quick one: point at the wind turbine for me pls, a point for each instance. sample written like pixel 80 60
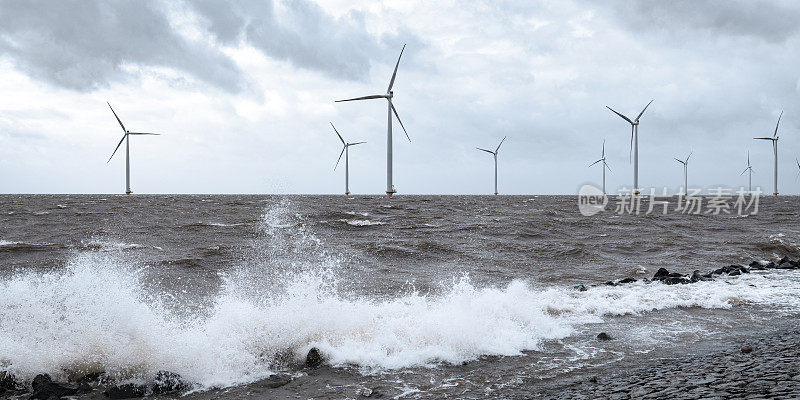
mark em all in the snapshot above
pixel 388 96
pixel 494 153
pixel 605 165
pixel 798 167
pixel 346 152
pixel 125 137
pixel 634 145
pixel 749 168
pixel 685 172
pixel 774 140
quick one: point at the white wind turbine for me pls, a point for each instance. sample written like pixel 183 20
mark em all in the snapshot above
pixel 126 138
pixel 798 167
pixel 494 153
pixel 634 144
pixel 749 168
pixel 605 165
pixel 388 96
pixel 774 140
pixel 685 172
pixel 346 152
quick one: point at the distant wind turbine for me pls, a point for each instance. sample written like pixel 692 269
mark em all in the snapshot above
pixel 634 144
pixel 346 152
pixel 798 167
pixel 605 165
pixel 749 168
pixel 494 153
pixel 774 140
pixel 685 172
pixel 126 138
pixel 388 96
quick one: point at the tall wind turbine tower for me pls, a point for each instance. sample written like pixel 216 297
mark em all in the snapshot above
pixel 749 168
pixel 774 140
pixel 494 153
pixel 346 152
pixel 685 172
pixel 634 145
pixel 125 137
pixel 605 165
pixel 388 96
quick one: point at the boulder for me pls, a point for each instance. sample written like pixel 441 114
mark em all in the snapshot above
pixel 610 283
pixel 674 280
pixel 603 336
pixel 784 260
pixel 126 391
pixel 627 280
pixel 770 265
pixel 277 380
pixel 44 388
pixel 314 358
pixel 697 277
pixel 8 383
pixel 661 273
pixel 169 382
pixel 746 349
pixel 581 288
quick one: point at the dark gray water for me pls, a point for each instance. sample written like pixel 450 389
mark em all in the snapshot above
pixel 422 296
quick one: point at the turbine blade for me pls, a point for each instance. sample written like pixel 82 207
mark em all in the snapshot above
pixel 501 143
pixel 776 125
pixel 745 170
pixel 115 116
pixel 143 133
pixel 623 117
pixel 394 74
pixel 337 134
pixel 603 154
pixel 680 161
pixel 401 122
pixel 764 138
pixel 353 144
pixel 798 162
pixel 606 164
pixel 630 152
pixel 645 108
pixel 340 158
pixel 595 162
pixel 117 148
pixel 748 158
pixel 488 151
pixel 690 155
pixel 374 96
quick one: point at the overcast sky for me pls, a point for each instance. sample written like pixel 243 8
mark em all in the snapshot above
pixel 243 92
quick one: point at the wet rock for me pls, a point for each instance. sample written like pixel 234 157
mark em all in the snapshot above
pixel 784 260
pixel 126 391
pixel 44 388
pixel 610 283
pixel 168 382
pixel 581 288
pixel 627 280
pixel 91 377
pixel 732 270
pixel 697 277
pixel 370 393
pixel 756 266
pixel 674 280
pixel 661 273
pixel 8 383
pixel 314 358
pixel 770 265
pixel 603 336
pixel 734 273
pixel 277 380
pixel 746 349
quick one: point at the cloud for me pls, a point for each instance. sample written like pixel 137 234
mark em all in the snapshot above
pixel 84 45
pixel 297 31
pixel 768 21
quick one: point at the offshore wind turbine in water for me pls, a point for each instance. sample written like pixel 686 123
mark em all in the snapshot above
pixel 494 153
pixel 685 172
pixel 605 165
pixel 774 140
pixel 388 96
pixel 346 152
pixel 749 168
pixel 126 138
pixel 634 145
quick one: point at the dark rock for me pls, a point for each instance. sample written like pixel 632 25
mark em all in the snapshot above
pixel 91 377
pixel 755 264
pixel 168 382
pixel 44 388
pixel 610 283
pixel 277 380
pixel 314 358
pixel 734 273
pixel 8 382
pixel 674 280
pixel 661 273
pixel 581 288
pixel 126 391
pixel 784 260
pixel 628 280
pixel 746 349
pixel 787 265
pixel 770 265
pixel 603 336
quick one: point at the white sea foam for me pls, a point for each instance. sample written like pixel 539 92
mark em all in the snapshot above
pixel 362 222
pixel 109 245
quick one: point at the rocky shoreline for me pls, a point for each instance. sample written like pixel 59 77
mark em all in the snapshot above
pixel 767 367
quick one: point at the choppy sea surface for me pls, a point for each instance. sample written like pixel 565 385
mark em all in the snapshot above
pixel 424 296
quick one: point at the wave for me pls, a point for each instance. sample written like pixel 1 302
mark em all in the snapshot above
pixel 109 245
